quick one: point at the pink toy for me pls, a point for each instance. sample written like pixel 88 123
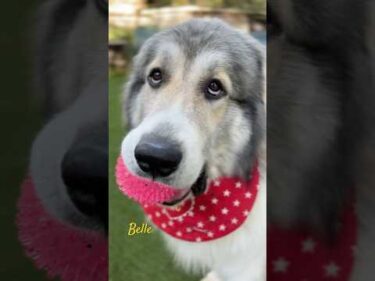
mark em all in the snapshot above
pixel 142 190
pixel 70 253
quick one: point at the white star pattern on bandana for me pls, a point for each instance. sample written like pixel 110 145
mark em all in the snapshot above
pixel 226 193
pixel 331 270
pixel 303 255
pixel 224 211
pixel 308 245
pixel 248 194
pixel 280 265
pixel 200 224
pixel 222 227
pixel 217 212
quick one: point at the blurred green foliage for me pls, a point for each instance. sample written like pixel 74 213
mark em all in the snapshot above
pixel 120 33
pixel 252 6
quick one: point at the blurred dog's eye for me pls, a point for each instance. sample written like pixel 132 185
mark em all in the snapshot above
pixel 214 90
pixel 155 78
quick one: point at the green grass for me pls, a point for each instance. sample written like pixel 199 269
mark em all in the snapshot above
pixel 132 258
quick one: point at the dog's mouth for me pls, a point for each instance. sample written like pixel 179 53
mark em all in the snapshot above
pixel 196 189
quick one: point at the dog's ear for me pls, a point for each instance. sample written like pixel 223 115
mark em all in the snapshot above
pixel 259 105
pixel 136 80
pixel 262 67
pixel 129 97
pixel 302 20
pixel 258 65
pixel 255 107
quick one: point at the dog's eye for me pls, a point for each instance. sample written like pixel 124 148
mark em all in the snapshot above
pixel 214 90
pixel 155 78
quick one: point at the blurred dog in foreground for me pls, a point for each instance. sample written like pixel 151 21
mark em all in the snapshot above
pixel 69 160
pixel 64 204
pixel 321 118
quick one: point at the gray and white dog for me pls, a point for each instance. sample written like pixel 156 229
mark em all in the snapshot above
pixel 195 102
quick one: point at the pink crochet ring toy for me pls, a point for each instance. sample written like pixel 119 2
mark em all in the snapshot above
pixel 66 252
pixel 143 190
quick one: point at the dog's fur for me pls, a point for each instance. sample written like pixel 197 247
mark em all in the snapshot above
pixel 321 134
pixel 225 136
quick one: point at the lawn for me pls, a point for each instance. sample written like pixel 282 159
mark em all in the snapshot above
pixel 132 258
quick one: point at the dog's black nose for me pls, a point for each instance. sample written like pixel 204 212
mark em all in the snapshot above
pixel 84 171
pixel 158 156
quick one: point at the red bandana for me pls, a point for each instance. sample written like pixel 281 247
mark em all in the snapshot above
pixel 218 212
pixel 299 255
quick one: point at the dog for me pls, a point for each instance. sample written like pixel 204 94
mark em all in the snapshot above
pixel 320 122
pixel 63 203
pixel 69 156
pixel 195 108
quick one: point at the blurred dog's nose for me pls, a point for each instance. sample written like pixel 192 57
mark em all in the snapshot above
pixel 158 156
pixel 85 173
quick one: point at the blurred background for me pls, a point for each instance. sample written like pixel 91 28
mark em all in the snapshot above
pixel 21 118
pixel 131 22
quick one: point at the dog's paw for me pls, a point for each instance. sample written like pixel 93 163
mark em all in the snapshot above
pixel 211 277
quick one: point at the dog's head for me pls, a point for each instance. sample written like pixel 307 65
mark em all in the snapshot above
pixel 194 105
